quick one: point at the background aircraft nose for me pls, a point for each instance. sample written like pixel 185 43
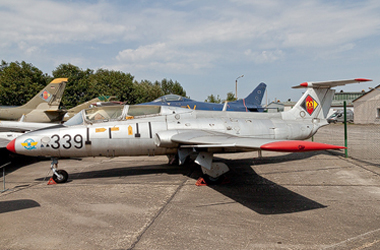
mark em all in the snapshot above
pixel 11 146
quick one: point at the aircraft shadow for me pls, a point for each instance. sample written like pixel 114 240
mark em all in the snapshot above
pixel 132 171
pixel 292 157
pixel 19 161
pixel 260 194
pixel 245 186
pixel 14 205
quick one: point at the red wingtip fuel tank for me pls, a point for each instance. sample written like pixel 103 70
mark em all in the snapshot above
pixel 298 146
pixel 11 146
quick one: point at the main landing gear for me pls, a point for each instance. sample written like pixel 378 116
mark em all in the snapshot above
pixel 213 172
pixel 59 176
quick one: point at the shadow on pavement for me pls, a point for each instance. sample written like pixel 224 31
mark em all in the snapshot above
pixel 14 205
pixel 260 194
pixel 245 187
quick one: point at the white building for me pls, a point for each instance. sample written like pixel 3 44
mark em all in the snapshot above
pixel 367 107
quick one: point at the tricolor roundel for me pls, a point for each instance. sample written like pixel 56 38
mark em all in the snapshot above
pixel 45 95
pixel 309 104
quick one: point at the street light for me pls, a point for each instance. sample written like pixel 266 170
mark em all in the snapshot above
pixel 236 86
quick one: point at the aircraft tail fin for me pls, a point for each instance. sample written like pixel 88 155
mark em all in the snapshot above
pixel 50 96
pixel 315 103
pixel 253 101
pixel 71 112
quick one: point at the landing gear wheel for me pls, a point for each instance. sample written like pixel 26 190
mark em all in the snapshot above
pixel 213 181
pixel 63 176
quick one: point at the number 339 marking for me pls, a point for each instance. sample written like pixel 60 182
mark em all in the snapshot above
pixel 67 144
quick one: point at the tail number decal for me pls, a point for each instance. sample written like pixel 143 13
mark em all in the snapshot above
pixel 77 141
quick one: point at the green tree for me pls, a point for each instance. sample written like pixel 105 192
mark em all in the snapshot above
pixel 230 97
pixel 78 88
pixel 19 82
pixel 170 87
pixel 211 98
pixel 146 91
pixel 113 83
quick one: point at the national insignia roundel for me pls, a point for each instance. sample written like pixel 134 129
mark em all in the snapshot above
pixel 309 105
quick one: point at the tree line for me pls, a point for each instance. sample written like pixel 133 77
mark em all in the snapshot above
pixel 19 82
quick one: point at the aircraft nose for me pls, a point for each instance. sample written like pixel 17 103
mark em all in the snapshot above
pixel 11 146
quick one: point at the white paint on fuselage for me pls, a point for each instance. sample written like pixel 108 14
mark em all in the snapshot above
pixel 136 136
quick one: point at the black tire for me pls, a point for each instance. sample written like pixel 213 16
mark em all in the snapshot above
pixel 211 180
pixel 64 175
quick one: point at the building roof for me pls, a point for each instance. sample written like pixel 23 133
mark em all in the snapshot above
pixel 372 89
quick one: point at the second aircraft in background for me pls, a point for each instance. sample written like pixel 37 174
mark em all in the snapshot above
pixel 251 103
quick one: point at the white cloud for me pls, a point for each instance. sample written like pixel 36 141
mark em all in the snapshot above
pixel 163 57
pixel 264 56
pixel 264 30
pixel 49 22
pixel 152 51
pixel 187 37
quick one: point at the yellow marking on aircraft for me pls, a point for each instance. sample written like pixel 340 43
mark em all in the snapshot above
pixel 59 80
pixel 97 130
pixel 130 130
pixel 190 108
pixel 25 144
pixel 129 117
pixel 115 129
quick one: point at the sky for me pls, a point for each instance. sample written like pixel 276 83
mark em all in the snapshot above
pixel 204 45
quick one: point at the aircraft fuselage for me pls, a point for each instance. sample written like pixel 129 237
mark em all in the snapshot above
pixel 134 136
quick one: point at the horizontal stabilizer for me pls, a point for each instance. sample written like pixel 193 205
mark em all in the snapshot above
pixel 330 84
pixel 297 146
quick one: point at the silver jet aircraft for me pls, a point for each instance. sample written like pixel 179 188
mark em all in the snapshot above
pixel 181 133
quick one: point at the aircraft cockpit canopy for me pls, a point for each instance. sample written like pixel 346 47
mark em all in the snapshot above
pixel 106 113
pixel 141 110
pixel 112 113
pixel 169 98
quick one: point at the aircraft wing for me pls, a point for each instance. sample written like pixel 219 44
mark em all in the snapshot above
pixel 14 126
pixel 210 139
pixel 4 142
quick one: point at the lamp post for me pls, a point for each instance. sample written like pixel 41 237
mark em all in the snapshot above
pixel 236 86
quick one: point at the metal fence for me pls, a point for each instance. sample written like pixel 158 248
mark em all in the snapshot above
pixel 363 140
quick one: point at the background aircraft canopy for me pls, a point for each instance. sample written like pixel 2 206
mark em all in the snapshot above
pixel 169 98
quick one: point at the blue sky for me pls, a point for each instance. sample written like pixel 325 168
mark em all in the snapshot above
pixel 204 45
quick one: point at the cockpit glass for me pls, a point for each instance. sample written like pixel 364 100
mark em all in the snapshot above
pixel 169 98
pixel 75 120
pixel 105 113
pixel 159 100
pixel 173 98
pixel 141 110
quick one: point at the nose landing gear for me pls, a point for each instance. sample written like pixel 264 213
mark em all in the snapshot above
pixel 59 176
